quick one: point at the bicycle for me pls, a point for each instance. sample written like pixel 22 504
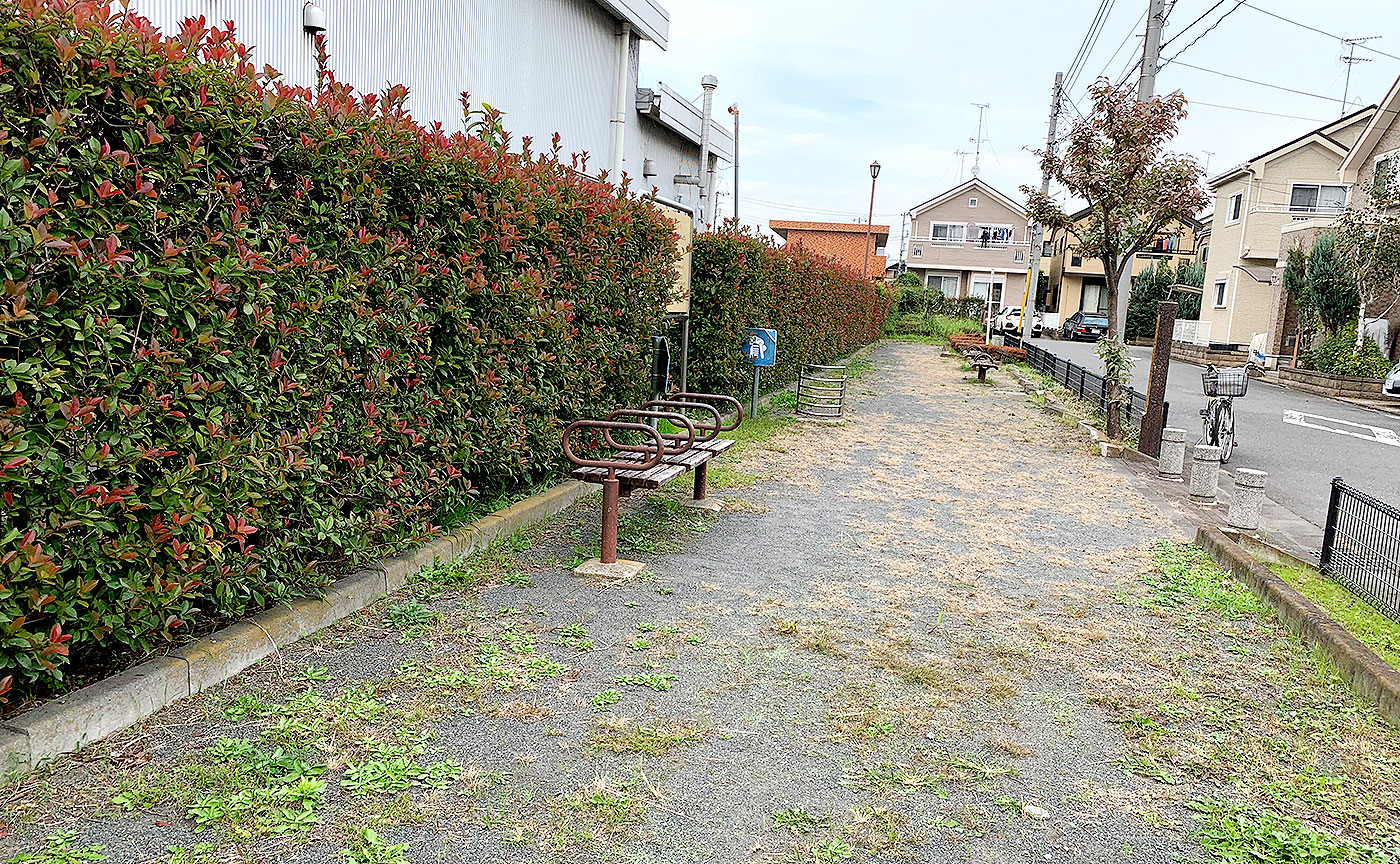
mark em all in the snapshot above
pixel 1222 386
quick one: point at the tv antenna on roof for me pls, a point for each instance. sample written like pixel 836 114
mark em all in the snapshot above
pixel 1351 60
pixel 978 140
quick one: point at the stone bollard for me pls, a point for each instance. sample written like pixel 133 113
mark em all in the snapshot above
pixel 1248 498
pixel 1171 459
pixel 1205 473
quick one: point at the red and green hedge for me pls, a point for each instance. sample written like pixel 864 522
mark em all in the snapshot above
pixel 253 335
pixel 822 310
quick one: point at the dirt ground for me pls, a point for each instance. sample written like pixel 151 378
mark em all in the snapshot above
pixel 942 630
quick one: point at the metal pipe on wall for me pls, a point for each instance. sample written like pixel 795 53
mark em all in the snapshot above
pixel 707 192
pixel 624 64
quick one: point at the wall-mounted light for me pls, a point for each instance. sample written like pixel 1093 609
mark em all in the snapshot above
pixel 313 18
pixel 648 167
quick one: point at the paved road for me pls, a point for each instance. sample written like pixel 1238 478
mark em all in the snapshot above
pixel 1278 431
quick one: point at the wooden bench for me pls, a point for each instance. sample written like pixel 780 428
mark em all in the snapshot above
pixel 658 457
pixel 980 360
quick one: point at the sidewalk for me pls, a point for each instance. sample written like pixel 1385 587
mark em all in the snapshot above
pixel 938 632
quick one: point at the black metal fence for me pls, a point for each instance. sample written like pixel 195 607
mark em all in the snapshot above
pixel 1088 386
pixel 1361 547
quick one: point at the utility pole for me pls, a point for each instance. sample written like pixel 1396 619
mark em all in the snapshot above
pixel 904 242
pixel 1147 85
pixel 1151 49
pixel 707 211
pixel 1351 60
pixel 1037 230
pixel 734 109
pixel 977 142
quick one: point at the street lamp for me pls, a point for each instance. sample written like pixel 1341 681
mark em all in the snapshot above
pixel 874 173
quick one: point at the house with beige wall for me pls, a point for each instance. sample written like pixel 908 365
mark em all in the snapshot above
pixel 972 241
pixel 1077 282
pixel 1377 148
pixel 1255 202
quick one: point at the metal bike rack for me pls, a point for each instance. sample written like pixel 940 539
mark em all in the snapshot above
pixel 821 391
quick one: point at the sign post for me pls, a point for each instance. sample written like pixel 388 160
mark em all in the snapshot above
pixel 760 348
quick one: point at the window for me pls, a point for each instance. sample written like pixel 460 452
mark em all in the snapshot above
pixel 1387 165
pixel 987 235
pixel 947 285
pixel 1220 294
pixel 1020 256
pixel 948 232
pixel 972 202
pixel 918 251
pixel 1235 207
pixel 1317 198
pixel 1076 260
pixel 1205 254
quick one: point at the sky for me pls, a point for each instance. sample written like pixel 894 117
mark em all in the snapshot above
pixel 823 90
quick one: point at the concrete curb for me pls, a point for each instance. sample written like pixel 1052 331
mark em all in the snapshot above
pixel 71 722
pixel 1370 676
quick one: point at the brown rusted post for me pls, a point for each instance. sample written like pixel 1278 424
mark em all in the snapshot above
pixel 611 494
pixel 701 482
pixel 1150 435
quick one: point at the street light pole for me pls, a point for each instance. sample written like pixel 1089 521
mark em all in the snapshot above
pixel 734 109
pixel 874 173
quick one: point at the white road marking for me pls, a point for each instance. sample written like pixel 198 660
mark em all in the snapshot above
pixel 1378 434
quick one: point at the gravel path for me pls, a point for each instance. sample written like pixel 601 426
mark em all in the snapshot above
pixel 942 631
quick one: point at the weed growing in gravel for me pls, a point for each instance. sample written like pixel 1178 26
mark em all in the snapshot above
pixel 606 698
pixel 798 821
pixel 1186 571
pixel 660 681
pixel 412 618
pixel 1237 832
pixel 623 735
pixel 58 849
pixel 199 853
pixel 396 774
pixel 572 635
pixel 892 777
pixel 369 848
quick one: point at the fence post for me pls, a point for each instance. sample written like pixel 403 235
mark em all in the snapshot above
pixel 1329 533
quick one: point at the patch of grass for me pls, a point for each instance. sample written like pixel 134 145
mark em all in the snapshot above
pixel 623 735
pixel 412 618
pixel 833 849
pixel 660 681
pixel 58 849
pixel 1237 832
pixel 606 698
pixel 573 635
pixel 1360 618
pixel 395 774
pixel 893 777
pixel 1186 575
pixel 814 636
pixel 369 848
pixel 752 434
pixel 798 821
pixel 199 853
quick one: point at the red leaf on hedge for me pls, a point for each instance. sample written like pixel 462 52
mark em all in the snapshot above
pixel 16 462
pixel 152 135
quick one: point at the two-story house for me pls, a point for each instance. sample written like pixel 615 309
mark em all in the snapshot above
pixel 972 241
pixel 1076 279
pixel 1378 146
pixel 1257 204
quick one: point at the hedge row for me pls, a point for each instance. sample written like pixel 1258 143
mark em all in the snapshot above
pixel 821 310
pixel 254 334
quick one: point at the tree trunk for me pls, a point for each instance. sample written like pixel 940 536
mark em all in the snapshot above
pixel 1361 327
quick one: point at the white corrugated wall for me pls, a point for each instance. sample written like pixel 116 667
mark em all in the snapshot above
pixel 550 65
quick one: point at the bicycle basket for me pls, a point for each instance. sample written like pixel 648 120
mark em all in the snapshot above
pixel 1226 382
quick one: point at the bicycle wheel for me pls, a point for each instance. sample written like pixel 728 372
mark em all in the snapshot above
pixel 1209 429
pixel 1225 426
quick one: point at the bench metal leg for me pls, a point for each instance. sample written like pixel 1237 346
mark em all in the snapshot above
pixel 701 482
pixel 981 373
pixel 610 503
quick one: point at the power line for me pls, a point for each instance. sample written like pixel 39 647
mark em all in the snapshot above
pixel 1206 32
pixel 1252 81
pixel 1255 111
pixel 1264 11
pixel 1091 38
pixel 1199 19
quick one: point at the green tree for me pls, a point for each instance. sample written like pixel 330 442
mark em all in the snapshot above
pixel 1331 288
pixel 1368 239
pixel 1116 160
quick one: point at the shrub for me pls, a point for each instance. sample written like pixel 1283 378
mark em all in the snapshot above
pixel 821 310
pixel 939 327
pixel 253 336
pixel 1337 355
pixel 916 298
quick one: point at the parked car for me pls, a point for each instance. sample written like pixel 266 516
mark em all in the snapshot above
pixel 1084 325
pixel 1009 321
pixel 1392 383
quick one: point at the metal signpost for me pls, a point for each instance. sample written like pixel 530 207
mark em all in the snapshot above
pixel 761 349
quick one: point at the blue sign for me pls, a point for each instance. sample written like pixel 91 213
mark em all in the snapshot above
pixel 761 347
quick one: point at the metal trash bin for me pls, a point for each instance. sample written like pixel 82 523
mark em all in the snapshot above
pixel 821 391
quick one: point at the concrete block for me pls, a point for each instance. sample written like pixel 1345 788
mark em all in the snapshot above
pixel 489 529
pixel 712 505
pixel 347 596
pixel 14 753
pixel 539 507
pixel 1205 473
pixel 619 571
pixel 1171 459
pixel 1248 499
pixel 222 655
pixel 71 722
